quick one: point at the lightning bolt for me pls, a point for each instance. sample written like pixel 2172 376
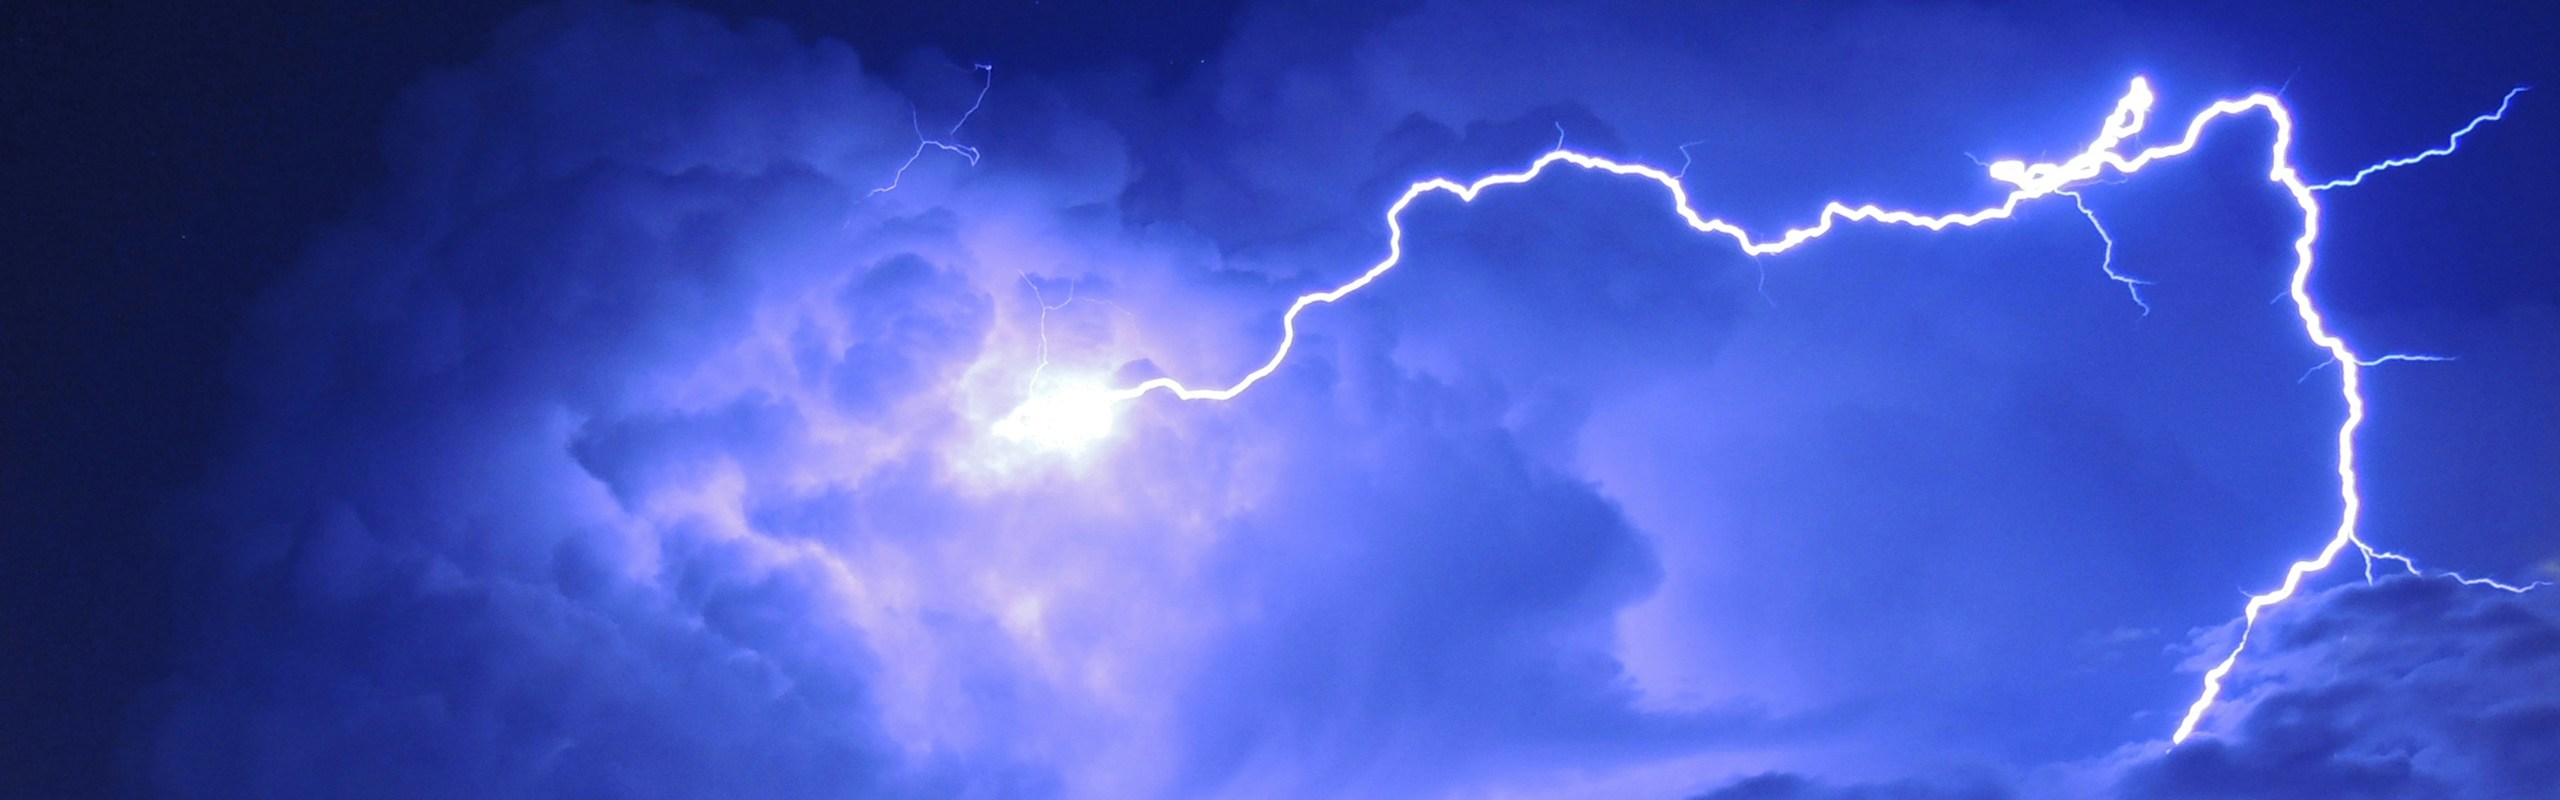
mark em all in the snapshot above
pixel 947 142
pixel 2107 261
pixel 2450 144
pixel 2030 181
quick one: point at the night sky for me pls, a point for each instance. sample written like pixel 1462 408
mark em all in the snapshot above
pixel 520 401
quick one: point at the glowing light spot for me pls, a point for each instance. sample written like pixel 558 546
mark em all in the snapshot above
pixel 1067 418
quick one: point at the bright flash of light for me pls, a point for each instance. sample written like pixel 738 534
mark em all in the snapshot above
pixel 1067 418
pixel 1082 416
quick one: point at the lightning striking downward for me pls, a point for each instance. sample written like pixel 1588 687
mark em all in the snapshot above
pixel 1077 415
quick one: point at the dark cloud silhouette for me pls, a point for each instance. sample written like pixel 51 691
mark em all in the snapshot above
pixel 2407 688
pixel 1784 786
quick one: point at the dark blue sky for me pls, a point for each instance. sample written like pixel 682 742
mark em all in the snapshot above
pixel 539 401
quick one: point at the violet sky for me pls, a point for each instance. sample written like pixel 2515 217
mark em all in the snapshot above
pixel 612 437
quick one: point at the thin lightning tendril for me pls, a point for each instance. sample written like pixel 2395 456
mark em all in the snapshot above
pixel 1071 413
pixel 1031 385
pixel 2032 182
pixel 2450 143
pixel 2107 262
pixel 2315 368
pixel 1686 159
pixel 944 144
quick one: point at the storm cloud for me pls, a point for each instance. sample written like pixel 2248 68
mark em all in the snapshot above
pixel 634 439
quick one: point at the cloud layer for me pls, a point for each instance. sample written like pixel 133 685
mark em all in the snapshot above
pixel 628 443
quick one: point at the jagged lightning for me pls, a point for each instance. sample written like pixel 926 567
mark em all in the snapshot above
pixel 2450 144
pixel 1071 413
pixel 1075 415
pixel 946 142
pixel 2107 260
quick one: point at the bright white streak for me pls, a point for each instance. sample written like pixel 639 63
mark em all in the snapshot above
pixel 2032 182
